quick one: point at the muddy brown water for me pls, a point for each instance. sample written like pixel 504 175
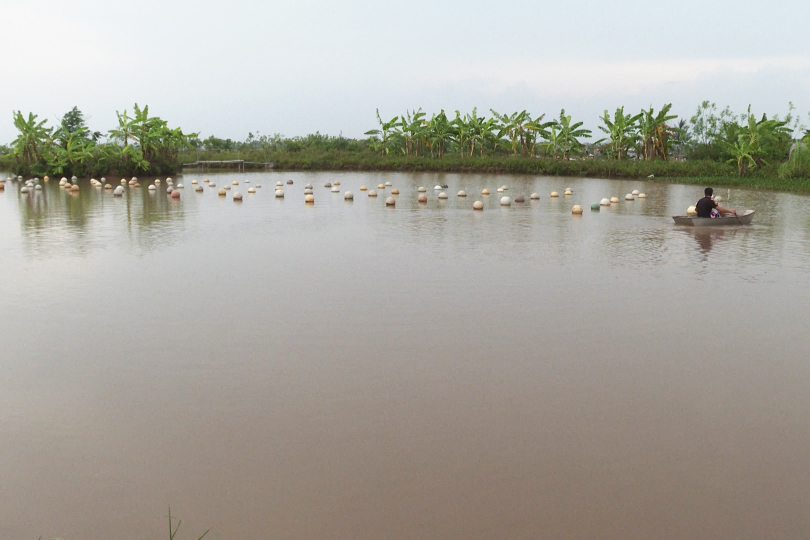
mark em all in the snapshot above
pixel 351 371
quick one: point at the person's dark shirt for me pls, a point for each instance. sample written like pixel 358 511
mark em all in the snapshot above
pixel 705 206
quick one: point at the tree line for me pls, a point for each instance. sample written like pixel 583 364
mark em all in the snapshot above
pixel 147 145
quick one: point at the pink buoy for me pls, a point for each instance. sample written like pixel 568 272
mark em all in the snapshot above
pixel 175 194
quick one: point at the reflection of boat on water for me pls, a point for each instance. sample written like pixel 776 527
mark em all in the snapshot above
pixel 694 221
pixel 705 238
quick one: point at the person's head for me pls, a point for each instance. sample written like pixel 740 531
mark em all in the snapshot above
pixel 708 191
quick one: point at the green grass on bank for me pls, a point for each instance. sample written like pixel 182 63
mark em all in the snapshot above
pixel 687 172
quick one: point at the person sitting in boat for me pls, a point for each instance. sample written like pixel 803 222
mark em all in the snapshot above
pixel 708 207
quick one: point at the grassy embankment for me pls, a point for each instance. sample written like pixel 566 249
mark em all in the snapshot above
pixel 688 172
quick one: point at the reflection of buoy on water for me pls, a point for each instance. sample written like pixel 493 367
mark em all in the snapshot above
pixel 390 201
pixel 478 205
pixel 577 209
pixel 629 197
pixel 506 201
pixel 534 196
pixel 554 194
pixel 422 198
pixel 348 196
pixel 691 211
pixel 372 193
pixel 605 202
pixel 309 199
pixel 237 196
pixel 614 199
pixel 363 188
pixel 462 193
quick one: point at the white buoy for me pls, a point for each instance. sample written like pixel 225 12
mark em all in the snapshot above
pixel 237 196
pixel 37 188
pixel 372 193
pixel 718 198
pixel 247 181
pixel 380 186
pixel 442 195
pixel 395 191
pixel 199 189
pixel 309 198
pixel 107 186
pixel 478 205
pixel 228 188
pixel 504 187
pixel 251 190
pixel 629 197
pixel 642 195
pixel 388 184
pixel 169 189
pixel 279 184
pixel 236 183
pixel 24 189
pixel 180 186
pixel 206 180
pixel 421 189
pixel 614 199
pixel 534 196
pixel 577 209
pixel 499 190
pixel 437 188
pixel 152 187
pixel 157 182
pixel 555 194
pixel 462 193
pixel 691 211
pixel 605 202
pixel 279 193
pixel 308 191
pixel 194 182
pixel 74 188
pixel 348 196
pixel 335 189
pixel 485 191
pixel 422 198
pixel 363 188
pixel 634 192
pixel 390 201
pixel 307 186
pixel 506 201
pixel 221 191
pixel 568 191
pixel 336 183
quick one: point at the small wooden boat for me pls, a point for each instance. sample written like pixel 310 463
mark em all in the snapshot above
pixel 694 221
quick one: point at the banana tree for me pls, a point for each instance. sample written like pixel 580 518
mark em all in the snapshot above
pixel 742 154
pixel 412 126
pixel 569 134
pixel 536 129
pixel 622 132
pixel 656 136
pixel 32 142
pixel 385 132
pixel 439 132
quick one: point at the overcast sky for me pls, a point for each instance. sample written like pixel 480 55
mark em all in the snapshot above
pixel 295 67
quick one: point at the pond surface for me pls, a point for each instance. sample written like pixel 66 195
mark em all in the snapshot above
pixel 346 370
